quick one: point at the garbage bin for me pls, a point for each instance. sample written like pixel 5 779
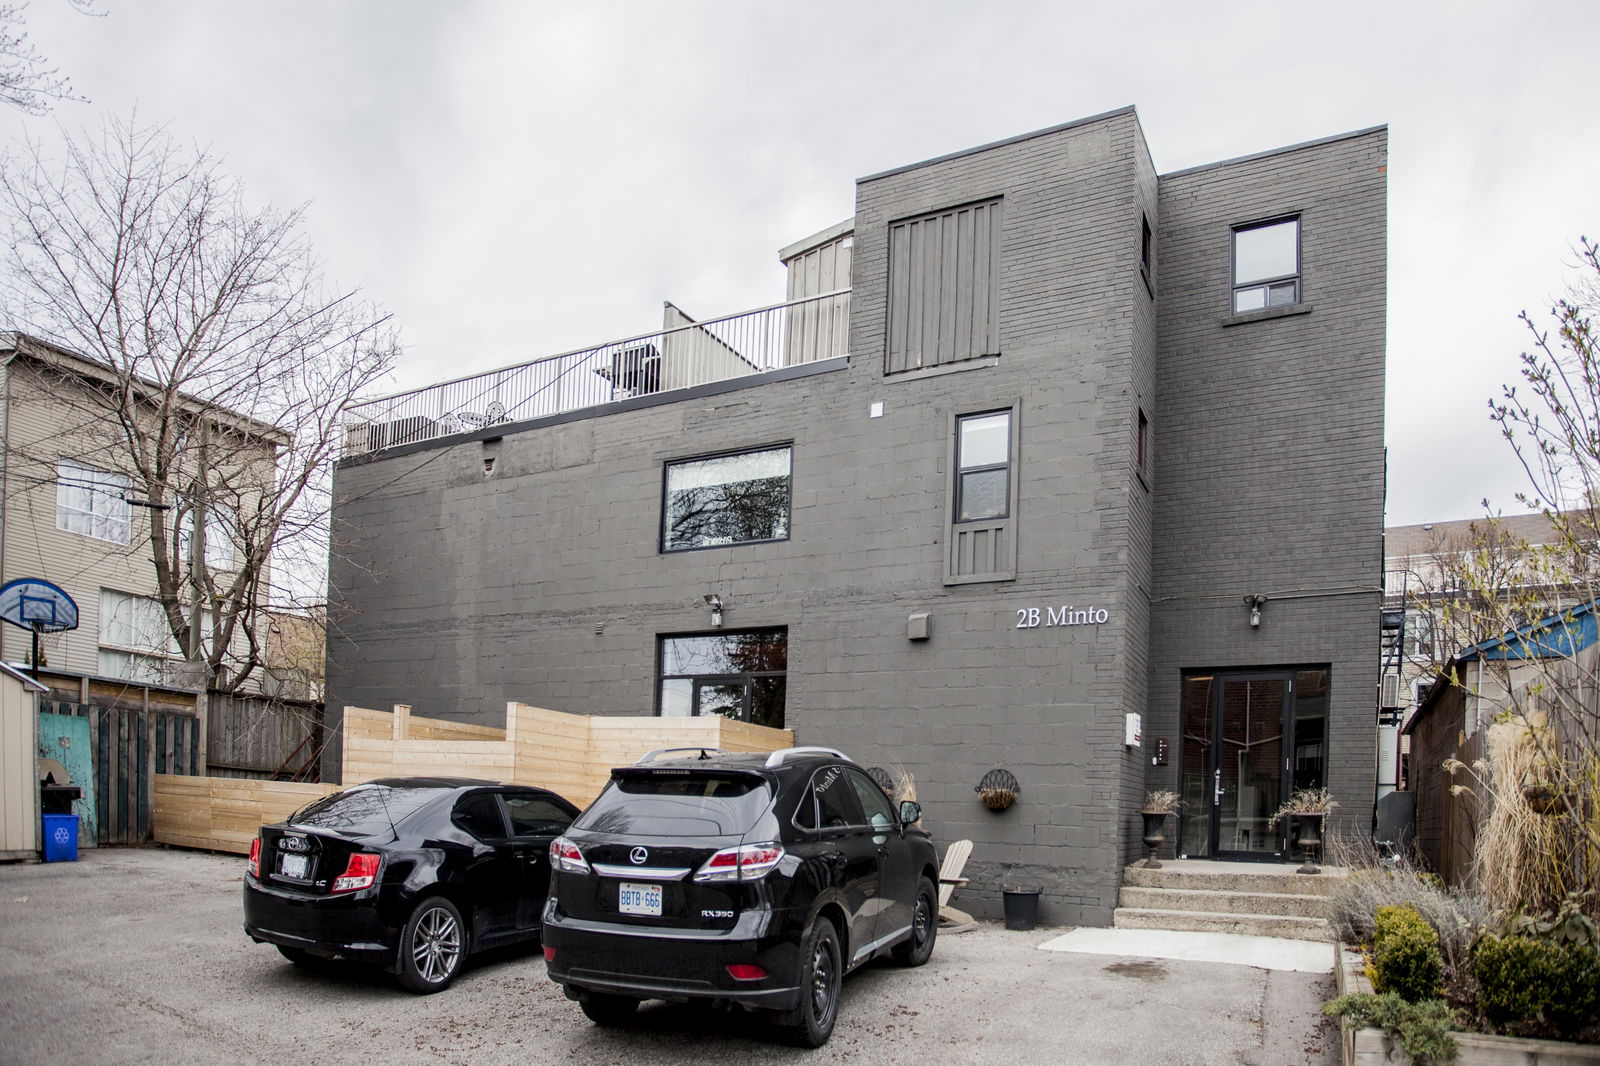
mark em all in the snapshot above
pixel 1022 908
pixel 60 837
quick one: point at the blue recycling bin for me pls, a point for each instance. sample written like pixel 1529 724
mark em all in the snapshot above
pixel 60 837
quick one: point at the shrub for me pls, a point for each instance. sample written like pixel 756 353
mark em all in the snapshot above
pixel 1405 955
pixel 1527 979
pixel 1456 915
pixel 1423 1029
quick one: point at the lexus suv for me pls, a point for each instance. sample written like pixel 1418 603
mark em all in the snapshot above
pixel 750 880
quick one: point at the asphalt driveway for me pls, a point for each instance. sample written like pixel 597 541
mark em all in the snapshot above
pixel 139 956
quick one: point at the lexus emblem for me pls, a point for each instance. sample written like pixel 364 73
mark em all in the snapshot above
pixel 638 855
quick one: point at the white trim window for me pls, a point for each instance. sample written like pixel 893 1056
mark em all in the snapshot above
pixel 219 535
pixel 92 502
pixel 135 641
pixel 1266 265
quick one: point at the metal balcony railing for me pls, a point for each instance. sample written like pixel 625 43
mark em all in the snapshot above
pixel 684 354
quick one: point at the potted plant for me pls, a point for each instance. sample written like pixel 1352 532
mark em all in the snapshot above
pixel 1307 806
pixel 1158 803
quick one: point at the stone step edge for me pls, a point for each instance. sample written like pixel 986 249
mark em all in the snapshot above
pixel 1197 893
pixel 1226 916
pixel 1310 884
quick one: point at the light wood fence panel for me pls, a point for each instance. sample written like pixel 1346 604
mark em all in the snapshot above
pixel 223 814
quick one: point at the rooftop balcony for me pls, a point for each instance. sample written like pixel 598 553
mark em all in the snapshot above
pixel 681 355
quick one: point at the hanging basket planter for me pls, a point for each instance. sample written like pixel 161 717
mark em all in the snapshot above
pixel 1543 798
pixel 998 789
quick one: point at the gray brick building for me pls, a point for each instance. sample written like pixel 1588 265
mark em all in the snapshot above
pixel 1041 440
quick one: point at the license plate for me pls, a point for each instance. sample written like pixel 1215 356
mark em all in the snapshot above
pixel 639 899
pixel 294 866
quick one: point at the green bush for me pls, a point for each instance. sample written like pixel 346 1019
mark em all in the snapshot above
pixel 1423 1029
pixel 1405 955
pixel 1527 979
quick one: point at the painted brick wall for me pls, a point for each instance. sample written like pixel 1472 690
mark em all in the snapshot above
pixel 455 592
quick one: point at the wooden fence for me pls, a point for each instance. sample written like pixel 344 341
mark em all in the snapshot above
pixel 571 754
pixel 261 737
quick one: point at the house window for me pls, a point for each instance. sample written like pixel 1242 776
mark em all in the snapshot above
pixel 219 535
pixel 726 499
pixel 741 675
pixel 1266 265
pixel 983 466
pixel 1421 642
pixel 981 532
pixel 944 287
pixel 1142 447
pixel 92 502
pixel 135 641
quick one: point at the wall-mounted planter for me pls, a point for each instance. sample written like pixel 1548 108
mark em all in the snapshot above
pixel 998 789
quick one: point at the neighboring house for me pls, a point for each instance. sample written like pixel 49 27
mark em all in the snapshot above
pixel 73 516
pixel 1557 652
pixel 1052 469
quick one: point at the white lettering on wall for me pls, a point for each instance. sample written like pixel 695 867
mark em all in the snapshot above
pixel 1069 615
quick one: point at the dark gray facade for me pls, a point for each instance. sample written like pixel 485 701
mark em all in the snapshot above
pixel 545 581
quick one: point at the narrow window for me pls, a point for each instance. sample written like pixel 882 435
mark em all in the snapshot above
pixel 1143 446
pixel 726 499
pixel 1266 265
pixel 983 464
pixel 740 675
pixel 92 502
pixel 1146 246
pixel 981 531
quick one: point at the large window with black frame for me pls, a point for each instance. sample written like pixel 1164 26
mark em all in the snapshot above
pixel 735 498
pixel 740 674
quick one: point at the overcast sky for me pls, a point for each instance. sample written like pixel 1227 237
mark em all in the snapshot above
pixel 516 179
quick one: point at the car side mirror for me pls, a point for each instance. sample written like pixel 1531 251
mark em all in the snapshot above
pixel 910 812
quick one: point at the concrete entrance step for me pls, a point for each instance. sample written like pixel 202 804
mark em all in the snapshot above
pixel 1216 901
pixel 1288 927
pixel 1234 877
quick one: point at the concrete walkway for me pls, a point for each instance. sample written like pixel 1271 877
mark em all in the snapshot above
pixel 1262 952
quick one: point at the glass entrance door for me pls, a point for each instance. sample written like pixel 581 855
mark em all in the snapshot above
pixel 1238 733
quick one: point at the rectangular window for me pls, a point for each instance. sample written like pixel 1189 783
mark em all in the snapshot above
pixel 726 499
pixel 944 287
pixel 135 641
pixel 740 675
pixel 983 466
pixel 219 535
pixel 1266 265
pixel 92 502
pixel 1142 455
pixel 981 530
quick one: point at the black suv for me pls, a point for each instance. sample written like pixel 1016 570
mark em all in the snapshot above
pixel 756 880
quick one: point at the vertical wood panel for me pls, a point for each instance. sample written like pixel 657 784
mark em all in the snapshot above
pixel 943 287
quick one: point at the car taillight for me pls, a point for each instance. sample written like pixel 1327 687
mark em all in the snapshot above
pixel 255 857
pixel 751 862
pixel 564 855
pixel 359 872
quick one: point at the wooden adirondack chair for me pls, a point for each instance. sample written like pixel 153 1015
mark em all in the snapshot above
pixel 952 920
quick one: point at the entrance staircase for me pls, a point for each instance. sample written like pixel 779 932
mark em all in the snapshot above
pixel 1256 899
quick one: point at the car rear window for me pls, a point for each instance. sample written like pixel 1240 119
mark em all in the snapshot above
pixel 365 810
pixel 678 804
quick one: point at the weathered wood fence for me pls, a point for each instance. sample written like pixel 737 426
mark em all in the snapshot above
pixel 571 754
pixel 129 746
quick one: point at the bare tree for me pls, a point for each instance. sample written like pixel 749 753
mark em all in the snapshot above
pixel 27 81
pixel 219 364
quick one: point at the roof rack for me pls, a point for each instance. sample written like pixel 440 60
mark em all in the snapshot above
pixel 652 756
pixel 778 757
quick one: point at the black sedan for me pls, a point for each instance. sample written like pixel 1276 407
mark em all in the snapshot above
pixel 411 873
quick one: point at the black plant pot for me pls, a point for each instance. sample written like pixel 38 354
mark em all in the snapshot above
pixel 1155 835
pixel 1308 836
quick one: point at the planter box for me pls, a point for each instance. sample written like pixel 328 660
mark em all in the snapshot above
pixel 1374 1047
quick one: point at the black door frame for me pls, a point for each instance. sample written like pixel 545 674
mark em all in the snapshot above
pixel 1220 678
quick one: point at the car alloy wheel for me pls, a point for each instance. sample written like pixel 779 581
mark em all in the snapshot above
pixel 432 947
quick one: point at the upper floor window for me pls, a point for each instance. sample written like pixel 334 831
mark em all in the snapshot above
pixel 944 287
pixel 726 499
pixel 92 502
pixel 219 535
pixel 1266 265
pixel 983 466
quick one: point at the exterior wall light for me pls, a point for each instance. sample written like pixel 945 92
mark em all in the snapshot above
pixel 714 602
pixel 1255 602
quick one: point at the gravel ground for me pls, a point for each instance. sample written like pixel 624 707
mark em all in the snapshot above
pixel 138 955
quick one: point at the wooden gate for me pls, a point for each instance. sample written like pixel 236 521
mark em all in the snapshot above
pixel 128 747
